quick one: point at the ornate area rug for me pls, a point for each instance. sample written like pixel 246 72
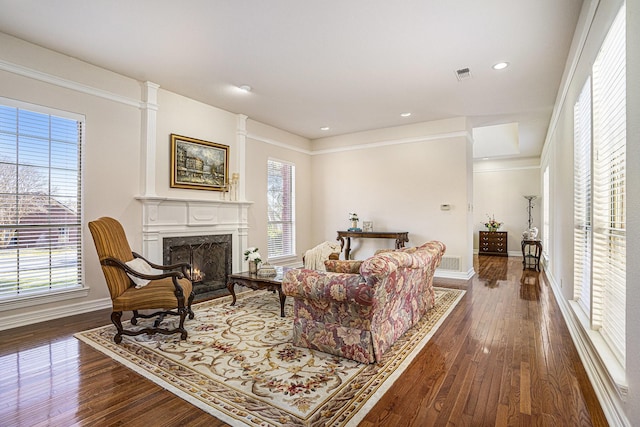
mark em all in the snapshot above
pixel 239 365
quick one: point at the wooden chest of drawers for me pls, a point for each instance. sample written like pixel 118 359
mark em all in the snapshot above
pixel 493 243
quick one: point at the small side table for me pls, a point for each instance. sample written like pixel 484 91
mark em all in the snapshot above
pixel 255 282
pixel 531 251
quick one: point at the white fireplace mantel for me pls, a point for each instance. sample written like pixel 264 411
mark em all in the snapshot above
pixel 174 217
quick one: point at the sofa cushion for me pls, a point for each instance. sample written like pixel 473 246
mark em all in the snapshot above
pixel 326 286
pixel 342 266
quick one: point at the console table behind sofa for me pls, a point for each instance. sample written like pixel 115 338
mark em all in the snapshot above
pixel 401 238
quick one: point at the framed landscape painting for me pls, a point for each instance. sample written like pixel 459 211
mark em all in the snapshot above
pixel 198 164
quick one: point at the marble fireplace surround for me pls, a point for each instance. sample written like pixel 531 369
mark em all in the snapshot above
pixel 164 217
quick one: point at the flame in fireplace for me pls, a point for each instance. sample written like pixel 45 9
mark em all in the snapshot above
pixel 197 275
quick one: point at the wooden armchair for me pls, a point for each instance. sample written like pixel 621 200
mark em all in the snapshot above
pixel 166 292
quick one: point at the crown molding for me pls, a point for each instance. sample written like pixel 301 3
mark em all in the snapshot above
pixel 365 146
pixel 68 84
pixel 410 140
pixel 278 143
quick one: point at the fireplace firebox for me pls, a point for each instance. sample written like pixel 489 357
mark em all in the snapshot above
pixel 209 257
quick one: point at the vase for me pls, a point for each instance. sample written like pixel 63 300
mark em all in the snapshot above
pixel 253 267
pixel 492 229
pixel 354 223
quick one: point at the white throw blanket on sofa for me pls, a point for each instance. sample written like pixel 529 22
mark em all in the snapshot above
pixel 314 258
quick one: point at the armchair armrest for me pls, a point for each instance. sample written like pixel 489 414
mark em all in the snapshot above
pixel 343 266
pixel 174 275
pixel 114 262
pixel 322 286
pixel 184 267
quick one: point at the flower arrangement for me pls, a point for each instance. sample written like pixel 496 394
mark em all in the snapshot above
pixel 353 216
pixel 252 254
pixel 492 224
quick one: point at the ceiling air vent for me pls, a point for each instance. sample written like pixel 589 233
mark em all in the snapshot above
pixel 463 74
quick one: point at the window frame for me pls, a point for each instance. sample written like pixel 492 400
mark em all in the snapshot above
pixel 609 188
pixel 288 246
pixel 583 197
pixel 603 316
pixel 48 294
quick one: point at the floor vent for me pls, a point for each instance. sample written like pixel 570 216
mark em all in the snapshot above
pixel 451 263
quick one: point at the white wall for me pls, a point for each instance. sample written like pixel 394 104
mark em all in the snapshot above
pixel 558 156
pixel 398 178
pixel 498 188
pixel 263 143
pixel 113 150
pixel 184 116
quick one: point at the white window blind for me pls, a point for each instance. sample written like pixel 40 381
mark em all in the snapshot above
pixel 582 198
pixel 40 189
pixel 609 188
pixel 280 209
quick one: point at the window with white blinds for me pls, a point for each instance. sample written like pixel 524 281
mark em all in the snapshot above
pixel 600 192
pixel 280 209
pixel 609 187
pixel 40 203
pixel 582 198
pixel 547 210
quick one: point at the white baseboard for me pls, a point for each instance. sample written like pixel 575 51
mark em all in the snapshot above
pixel 45 315
pixel 456 275
pixel 605 388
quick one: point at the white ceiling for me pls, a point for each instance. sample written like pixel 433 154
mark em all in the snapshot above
pixel 351 65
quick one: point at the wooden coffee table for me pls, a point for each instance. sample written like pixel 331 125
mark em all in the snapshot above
pixel 255 282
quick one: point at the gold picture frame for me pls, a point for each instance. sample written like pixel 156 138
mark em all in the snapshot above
pixel 198 164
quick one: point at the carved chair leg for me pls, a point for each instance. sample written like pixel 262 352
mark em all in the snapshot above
pixel 116 319
pixel 134 319
pixel 158 320
pixel 191 313
pixel 182 311
pixel 183 335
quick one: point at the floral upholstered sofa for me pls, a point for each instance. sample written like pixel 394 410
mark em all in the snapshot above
pixel 358 309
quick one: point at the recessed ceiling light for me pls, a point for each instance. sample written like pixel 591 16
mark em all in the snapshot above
pixel 324 128
pixel 500 65
pixel 245 88
pixel 405 114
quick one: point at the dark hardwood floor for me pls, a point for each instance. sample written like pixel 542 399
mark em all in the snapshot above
pixel 503 357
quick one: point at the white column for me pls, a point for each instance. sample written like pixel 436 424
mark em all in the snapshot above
pixel 151 240
pixel 241 149
pixel 148 138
